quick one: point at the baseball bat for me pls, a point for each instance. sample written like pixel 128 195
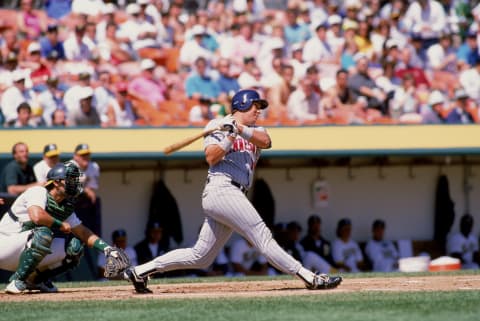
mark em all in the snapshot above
pixel 187 141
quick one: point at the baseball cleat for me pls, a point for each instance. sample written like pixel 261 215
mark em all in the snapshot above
pixel 324 282
pixel 139 283
pixel 16 287
pixel 43 287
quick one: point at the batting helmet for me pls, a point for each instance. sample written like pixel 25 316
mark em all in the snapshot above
pixel 70 173
pixel 244 99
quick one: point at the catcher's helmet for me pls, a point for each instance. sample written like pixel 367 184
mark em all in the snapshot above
pixel 69 172
pixel 244 99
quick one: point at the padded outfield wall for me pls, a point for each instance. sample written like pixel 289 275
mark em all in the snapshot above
pixel 387 172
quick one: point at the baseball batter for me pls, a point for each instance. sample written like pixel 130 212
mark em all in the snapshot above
pixel 232 153
pixel 29 245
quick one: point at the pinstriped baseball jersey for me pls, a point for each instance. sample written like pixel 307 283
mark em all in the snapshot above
pixel 238 163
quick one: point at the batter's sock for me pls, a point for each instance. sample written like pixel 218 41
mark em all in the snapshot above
pixel 306 275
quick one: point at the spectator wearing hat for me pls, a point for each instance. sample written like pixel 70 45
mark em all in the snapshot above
pixel 382 254
pixel 85 114
pixel 193 48
pixel 346 252
pixel 146 86
pixel 51 157
pixel 467 53
pixel 460 111
pixel 335 37
pixel 39 72
pixel 51 43
pixel 71 96
pixel 15 95
pixel 317 50
pixel 50 100
pixel 120 112
pixel 469 81
pixel 199 83
pixel 75 46
pixel 433 112
pixel 152 245
pixel 106 17
pixel 17 176
pixel 120 240
pixel 295 31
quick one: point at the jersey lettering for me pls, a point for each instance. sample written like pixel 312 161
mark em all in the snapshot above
pixel 241 145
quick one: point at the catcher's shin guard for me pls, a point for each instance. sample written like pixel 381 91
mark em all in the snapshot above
pixel 139 283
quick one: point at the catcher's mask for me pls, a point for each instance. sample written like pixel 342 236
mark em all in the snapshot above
pixel 244 99
pixel 69 172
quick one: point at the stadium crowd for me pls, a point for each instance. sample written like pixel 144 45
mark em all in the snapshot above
pixel 176 63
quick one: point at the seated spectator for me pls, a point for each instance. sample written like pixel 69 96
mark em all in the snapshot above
pixel 304 103
pixel 199 84
pixel 151 246
pixel 58 118
pixel 51 43
pixel 120 240
pixel 468 80
pixel 51 157
pixel 39 72
pixel 315 242
pixel 463 245
pixel 50 100
pixel 15 95
pixel 146 86
pixel 250 75
pixel 363 85
pixel 192 49
pixel 70 98
pixel 30 24
pixel 24 117
pixel 278 91
pixel 346 253
pixel 404 103
pixel 227 83
pixel 467 54
pixel 75 47
pixel 137 29
pixel 247 260
pixel 317 51
pixel 120 112
pixel 460 113
pixel 433 112
pixel 10 43
pixel 201 114
pixel 112 48
pixel 17 176
pixel 381 253
pixel 85 114
pixel 7 70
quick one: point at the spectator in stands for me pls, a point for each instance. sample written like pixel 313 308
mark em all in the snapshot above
pixel 317 50
pixel 17 176
pixel 364 86
pixel 404 103
pixel 75 47
pixel 50 100
pixel 250 76
pixel 24 117
pixel 9 43
pixel 151 246
pixel 15 95
pixel 227 83
pixel 272 48
pixel 85 114
pixel 246 259
pixel 120 240
pixel 279 91
pixel 107 17
pixel 103 94
pixel 39 72
pixel 304 103
pixel 433 112
pixel 381 254
pixel 51 43
pixel 468 80
pixel 460 113
pixel 59 118
pixel 245 45
pixel 87 8
pixel 315 242
pixel 467 53
pixel 120 112
pixel 10 63
pixel 442 55
pixel 463 245
pixel 70 98
pixel 335 38
pixel 146 86
pixel 200 84
pixel 30 24
pixel 201 114
pixel 193 48
pixel 346 253
pixel 295 31
pixel 113 49
pixel 51 157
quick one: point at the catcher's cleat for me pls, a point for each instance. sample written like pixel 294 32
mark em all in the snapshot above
pixel 16 287
pixel 43 287
pixel 139 283
pixel 324 282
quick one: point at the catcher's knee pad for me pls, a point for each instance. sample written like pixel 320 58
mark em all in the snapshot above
pixel 41 241
pixel 74 249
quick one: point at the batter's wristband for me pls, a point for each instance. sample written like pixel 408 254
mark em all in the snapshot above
pixel 225 144
pixel 100 245
pixel 56 224
pixel 247 132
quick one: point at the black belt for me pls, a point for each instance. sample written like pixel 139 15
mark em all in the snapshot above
pixel 242 188
pixel 12 216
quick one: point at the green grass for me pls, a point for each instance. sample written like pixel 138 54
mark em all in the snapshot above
pixel 425 306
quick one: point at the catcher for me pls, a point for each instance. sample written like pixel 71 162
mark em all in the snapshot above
pixel 41 236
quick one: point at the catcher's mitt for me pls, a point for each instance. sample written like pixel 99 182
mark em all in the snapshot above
pixel 116 261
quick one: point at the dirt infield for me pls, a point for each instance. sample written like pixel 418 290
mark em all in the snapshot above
pixel 255 289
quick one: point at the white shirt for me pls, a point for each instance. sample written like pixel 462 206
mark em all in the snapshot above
pixel 48 104
pixel 40 169
pixel 436 55
pixel 466 246
pixel 11 98
pixel 91 175
pixel 469 79
pixel 88 7
pixel 349 253
pixel 433 16
pixel 245 255
pixel 70 98
pixel 301 107
pixel 74 50
pixel 36 196
pixel 383 255
pixel 133 28
pixel 316 50
pixel 191 50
